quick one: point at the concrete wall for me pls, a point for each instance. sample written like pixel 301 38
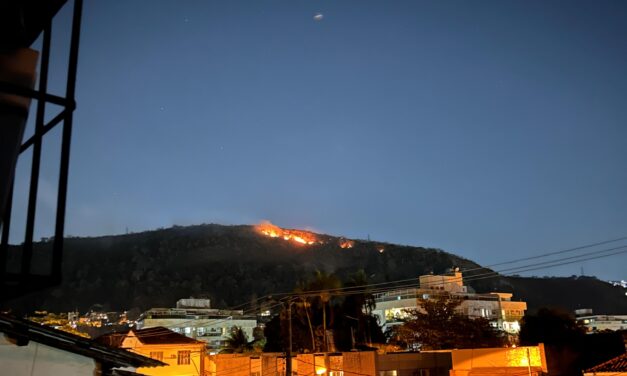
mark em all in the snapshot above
pixel 411 364
pixel 451 283
pixel 367 363
pixel 465 361
pixel 496 361
pixel 267 364
pixel 40 360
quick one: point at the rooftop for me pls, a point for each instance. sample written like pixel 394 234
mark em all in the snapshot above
pixel 23 331
pixel 149 336
pixel 618 364
pixel 160 335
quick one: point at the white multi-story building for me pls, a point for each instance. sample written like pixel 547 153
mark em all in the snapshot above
pixel 599 323
pixel 499 308
pixel 196 319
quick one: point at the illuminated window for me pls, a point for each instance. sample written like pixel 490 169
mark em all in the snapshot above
pixel 388 373
pixel 158 355
pixel 183 357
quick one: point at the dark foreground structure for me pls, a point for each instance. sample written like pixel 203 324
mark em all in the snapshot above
pixel 22 23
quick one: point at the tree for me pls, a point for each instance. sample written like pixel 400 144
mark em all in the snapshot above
pixel 551 327
pixel 437 325
pixel 569 349
pixel 356 327
pixel 317 309
pixel 321 283
pixel 276 331
pixel 237 341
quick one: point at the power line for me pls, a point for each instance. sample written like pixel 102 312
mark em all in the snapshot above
pixel 465 270
pixel 559 252
pixel 491 274
pixel 367 288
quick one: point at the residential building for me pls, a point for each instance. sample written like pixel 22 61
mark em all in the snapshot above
pixel 499 308
pixel 196 319
pixel 598 323
pixel 28 348
pixel 182 355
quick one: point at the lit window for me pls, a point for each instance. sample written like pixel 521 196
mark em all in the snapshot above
pixel 388 373
pixel 183 357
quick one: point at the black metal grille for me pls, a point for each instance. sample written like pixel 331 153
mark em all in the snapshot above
pixel 17 283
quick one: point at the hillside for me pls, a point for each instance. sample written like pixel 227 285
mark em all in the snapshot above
pixel 235 264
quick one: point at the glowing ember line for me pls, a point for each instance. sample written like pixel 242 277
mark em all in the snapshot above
pixel 301 237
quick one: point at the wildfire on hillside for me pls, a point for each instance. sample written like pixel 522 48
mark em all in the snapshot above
pixel 346 243
pixel 301 237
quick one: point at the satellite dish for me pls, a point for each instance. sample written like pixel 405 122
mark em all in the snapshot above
pixel 318 17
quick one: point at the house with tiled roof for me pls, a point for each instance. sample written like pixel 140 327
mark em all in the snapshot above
pixel 615 367
pixel 183 356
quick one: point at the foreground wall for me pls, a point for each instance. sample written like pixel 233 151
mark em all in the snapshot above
pixel 499 361
pixel 36 359
pixel 472 362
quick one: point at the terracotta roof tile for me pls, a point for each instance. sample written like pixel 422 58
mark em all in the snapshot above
pixel 618 364
pixel 161 335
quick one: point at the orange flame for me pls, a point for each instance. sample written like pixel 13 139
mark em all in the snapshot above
pixel 345 243
pixel 301 237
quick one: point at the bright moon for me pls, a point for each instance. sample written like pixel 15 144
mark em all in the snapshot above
pixel 318 17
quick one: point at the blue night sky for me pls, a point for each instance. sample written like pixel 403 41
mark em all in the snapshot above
pixel 490 129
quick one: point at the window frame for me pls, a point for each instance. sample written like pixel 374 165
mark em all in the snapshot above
pixel 183 357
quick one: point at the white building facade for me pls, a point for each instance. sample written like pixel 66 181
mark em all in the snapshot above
pixel 195 319
pixel 600 323
pixel 499 308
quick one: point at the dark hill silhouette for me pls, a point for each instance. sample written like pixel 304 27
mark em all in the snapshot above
pixel 236 264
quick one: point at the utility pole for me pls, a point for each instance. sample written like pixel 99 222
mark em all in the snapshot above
pixel 288 356
pixel 528 362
